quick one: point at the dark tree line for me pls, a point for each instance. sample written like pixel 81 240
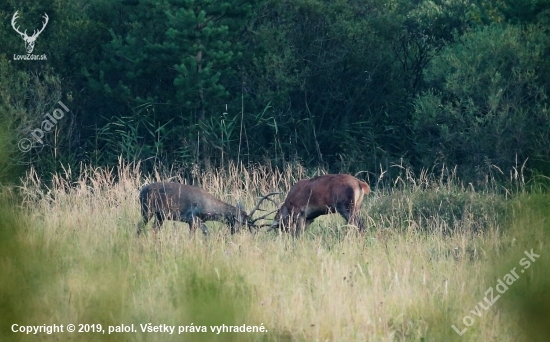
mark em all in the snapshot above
pixel 349 85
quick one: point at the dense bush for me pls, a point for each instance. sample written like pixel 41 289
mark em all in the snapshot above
pixel 438 205
pixel 487 101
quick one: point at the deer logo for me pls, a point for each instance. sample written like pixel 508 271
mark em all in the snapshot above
pixel 29 41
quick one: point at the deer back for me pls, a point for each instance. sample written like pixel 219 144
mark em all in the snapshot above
pixel 186 200
pixel 326 190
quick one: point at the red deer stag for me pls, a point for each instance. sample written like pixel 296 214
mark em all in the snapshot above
pixel 193 205
pixel 311 198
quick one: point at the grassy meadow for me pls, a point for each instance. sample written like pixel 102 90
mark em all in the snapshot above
pixel 69 254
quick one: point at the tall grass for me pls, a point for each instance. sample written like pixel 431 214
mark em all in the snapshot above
pixel 430 253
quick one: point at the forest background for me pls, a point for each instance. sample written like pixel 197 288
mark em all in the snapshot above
pixel 346 85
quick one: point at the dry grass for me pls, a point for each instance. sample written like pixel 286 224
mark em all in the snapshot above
pixel 409 278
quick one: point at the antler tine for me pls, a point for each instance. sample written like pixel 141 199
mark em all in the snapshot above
pixel 262 217
pixel 260 202
pixel 273 201
pixel 266 225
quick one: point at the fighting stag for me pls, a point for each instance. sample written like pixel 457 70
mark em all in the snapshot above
pixel 29 41
pixel 311 198
pixel 193 205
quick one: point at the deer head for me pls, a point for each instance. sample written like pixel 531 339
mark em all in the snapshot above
pixel 29 41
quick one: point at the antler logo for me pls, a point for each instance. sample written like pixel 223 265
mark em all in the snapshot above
pixel 29 41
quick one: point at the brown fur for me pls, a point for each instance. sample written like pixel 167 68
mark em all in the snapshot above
pixel 311 198
pixel 186 203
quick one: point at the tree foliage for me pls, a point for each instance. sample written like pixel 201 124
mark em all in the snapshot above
pixel 490 106
pixel 351 85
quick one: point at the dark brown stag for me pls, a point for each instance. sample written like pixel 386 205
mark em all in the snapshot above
pixel 311 198
pixel 193 205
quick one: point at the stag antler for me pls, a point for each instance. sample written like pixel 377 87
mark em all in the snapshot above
pixel 251 222
pixel 261 199
pixel 262 217
pixel 266 197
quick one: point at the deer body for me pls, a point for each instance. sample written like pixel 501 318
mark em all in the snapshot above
pixel 186 203
pixel 193 205
pixel 311 198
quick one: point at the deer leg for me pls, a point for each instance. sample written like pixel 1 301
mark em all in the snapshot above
pixel 195 221
pixel 158 221
pixel 146 216
pixel 141 225
pixel 308 222
pixel 360 223
pixel 345 210
pixel 288 224
pixel 204 229
pixel 352 216
pixel 300 225
pixel 193 224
